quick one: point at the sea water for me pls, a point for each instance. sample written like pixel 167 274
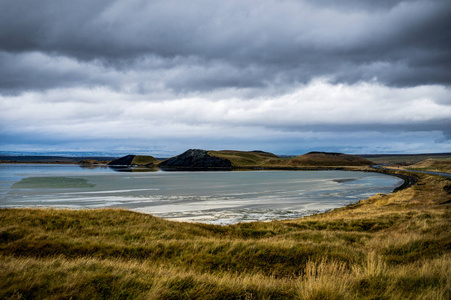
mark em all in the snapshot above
pixel 210 197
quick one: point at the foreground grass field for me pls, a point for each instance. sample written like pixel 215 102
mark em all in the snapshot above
pixel 395 246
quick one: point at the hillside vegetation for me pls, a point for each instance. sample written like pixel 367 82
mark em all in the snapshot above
pixel 405 159
pixel 439 165
pixel 245 159
pixel 395 246
pixel 330 159
pixel 231 159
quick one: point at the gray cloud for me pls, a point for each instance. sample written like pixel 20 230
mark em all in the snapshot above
pixel 253 43
pixel 320 106
pixel 263 73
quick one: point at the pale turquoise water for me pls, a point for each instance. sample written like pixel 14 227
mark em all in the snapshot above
pixel 210 197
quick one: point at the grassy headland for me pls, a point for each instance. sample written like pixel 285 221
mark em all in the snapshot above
pixel 245 159
pixel 232 160
pixel 312 160
pixel 265 160
pixel 395 246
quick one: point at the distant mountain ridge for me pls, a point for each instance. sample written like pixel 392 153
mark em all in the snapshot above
pixel 40 159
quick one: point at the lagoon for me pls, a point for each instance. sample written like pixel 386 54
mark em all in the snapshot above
pixel 209 197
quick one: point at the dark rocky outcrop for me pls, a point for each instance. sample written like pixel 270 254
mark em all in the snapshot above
pixel 196 159
pixel 325 153
pixel 123 161
pixel 135 160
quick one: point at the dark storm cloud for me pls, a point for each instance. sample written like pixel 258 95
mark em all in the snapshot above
pixel 251 43
pixel 277 75
pixel 34 71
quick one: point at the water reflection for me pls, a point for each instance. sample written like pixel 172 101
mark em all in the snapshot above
pixel 118 168
pixel 132 169
pixel 93 166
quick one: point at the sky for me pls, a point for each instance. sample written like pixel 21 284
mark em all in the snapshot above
pixel 284 76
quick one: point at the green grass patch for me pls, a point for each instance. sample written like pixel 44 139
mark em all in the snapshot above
pixel 52 183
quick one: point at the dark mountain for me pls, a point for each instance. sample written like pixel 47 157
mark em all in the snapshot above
pixel 196 159
pixel 135 160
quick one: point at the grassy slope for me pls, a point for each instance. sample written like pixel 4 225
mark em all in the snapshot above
pixel 406 159
pixel 243 159
pixel 395 246
pixel 439 165
pixel 323 159
pixel 144 160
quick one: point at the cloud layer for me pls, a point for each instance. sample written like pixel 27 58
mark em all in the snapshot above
pixel 285 75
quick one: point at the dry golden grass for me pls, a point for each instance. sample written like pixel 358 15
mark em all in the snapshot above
pixel 407 159
pixel 245 159
pixel 395 246
pixel 437 165
pixel 144 160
